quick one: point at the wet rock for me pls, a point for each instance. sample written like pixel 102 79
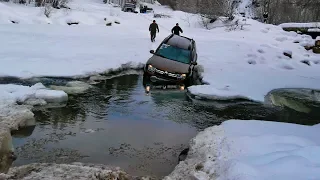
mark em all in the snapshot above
pixel 317 43
pixel 183 155
pixel 316 50
pixel 300 100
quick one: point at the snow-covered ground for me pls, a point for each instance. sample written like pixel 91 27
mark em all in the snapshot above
pixel 252 150
pixel 245 63
pixel 234 62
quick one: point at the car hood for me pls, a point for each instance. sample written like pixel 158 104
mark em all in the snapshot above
pixel 168 65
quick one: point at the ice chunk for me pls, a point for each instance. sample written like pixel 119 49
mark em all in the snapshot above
pixel 51 96
pixel 73 87
pixel 38 86
pixel 35 102
pixel 5 139
pixel 15 116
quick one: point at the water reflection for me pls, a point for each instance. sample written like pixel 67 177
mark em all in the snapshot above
pixel 115 123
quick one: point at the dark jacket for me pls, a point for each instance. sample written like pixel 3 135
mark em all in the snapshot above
pixel 176 30
pixel 153 28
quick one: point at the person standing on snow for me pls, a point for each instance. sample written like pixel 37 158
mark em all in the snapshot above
pixel 176 30
pixel 153 28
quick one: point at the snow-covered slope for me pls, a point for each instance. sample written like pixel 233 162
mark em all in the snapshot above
pixel 254 150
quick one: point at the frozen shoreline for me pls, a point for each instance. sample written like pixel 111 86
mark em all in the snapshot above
pixel 79 171
pixel 240 149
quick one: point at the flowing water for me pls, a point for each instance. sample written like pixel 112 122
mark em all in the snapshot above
pixel 117 124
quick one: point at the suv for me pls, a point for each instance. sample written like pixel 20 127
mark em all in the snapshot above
pixel 129 7
pixel 173 62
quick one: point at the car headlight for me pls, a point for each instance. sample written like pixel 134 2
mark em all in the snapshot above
pixel 151 69
pixel 183 76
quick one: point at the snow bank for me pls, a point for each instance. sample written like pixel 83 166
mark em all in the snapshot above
pixel 314 30
pixel 14 116
pixel 252 150
pixel 11 93
pixel 73 171
pixel 252 62
pixel 300 25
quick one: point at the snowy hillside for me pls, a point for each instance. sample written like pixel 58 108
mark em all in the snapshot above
pixel 238 61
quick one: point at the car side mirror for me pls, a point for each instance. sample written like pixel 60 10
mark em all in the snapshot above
pixel 152 51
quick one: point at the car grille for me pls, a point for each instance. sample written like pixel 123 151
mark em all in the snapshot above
pixel 167 75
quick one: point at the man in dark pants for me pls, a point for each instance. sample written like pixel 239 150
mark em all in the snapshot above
pixel 176 30
pixel 153 28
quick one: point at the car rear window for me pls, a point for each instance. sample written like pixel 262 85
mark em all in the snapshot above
pixel 174 53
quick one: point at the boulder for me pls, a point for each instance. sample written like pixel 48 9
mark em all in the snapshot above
pixel 317 43
pixel 316 50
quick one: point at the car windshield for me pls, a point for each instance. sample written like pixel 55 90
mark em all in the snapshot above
pixel 174 53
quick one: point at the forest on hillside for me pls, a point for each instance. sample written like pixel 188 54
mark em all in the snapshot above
pixel 279 11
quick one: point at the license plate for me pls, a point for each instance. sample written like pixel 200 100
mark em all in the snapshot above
pixel 166 87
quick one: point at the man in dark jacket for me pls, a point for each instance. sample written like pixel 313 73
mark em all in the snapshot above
pixel 153 28
pixel 176 30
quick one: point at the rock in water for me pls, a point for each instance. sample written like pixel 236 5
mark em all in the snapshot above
pixel 183 155
pixel 317 43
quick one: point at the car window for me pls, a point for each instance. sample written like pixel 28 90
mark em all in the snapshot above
pixel 174 53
